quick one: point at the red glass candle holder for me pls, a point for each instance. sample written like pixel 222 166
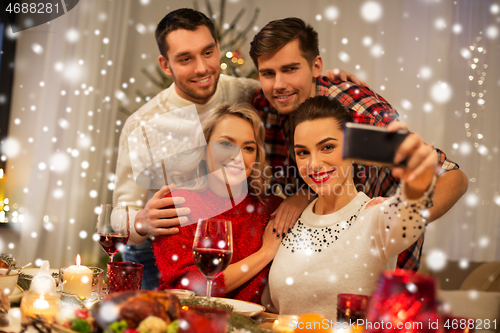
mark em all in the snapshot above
pixel 351 307
pixel 201 319
pixel 123 276
pixel 403 302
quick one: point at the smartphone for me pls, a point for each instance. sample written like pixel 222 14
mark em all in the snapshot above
pixel 372 145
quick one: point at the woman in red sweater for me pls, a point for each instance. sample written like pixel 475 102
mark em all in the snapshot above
pixel 224 195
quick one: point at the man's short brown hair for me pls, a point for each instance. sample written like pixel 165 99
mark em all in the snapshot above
pixel 184 18
pixel 277 34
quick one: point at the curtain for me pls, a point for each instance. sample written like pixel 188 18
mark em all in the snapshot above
pixel 63 117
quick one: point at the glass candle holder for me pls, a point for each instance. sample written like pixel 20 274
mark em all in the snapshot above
pixel 351 307
pixel 205 319
pixel 123 276
pixel 46 306
pixel 404 301
pixel 97 281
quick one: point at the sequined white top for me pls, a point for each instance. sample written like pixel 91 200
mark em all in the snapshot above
pixel 342 252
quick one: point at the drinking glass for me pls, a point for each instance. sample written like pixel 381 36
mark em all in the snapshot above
pixel 212 248
pixel 113 228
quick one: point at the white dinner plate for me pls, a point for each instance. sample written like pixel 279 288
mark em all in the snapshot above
pixel 181 293
pixel 16 295
pixel 246 308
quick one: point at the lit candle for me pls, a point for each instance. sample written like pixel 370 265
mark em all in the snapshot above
pixel 37 305
pixel 77 279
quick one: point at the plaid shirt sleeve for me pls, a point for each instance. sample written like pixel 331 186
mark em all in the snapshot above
pixel 444 164
pixel 364 105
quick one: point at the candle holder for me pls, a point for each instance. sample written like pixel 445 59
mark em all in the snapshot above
pixel 206 319
pixel 403 302
pixel 351 307
pixel 45 306
pixel 123 276
pixel 97 282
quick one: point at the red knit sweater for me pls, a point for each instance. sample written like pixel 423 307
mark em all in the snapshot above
pixel 174 256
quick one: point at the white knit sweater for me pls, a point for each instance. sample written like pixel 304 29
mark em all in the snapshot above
pixel 229 90
pixel 342 252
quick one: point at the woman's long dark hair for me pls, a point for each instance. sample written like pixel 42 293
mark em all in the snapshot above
pixel 319 107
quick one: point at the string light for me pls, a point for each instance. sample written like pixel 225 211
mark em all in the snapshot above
pixel 477 74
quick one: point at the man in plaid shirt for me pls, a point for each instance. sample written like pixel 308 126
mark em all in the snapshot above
pixel 286 55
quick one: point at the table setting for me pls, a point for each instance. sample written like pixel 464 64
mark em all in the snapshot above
pixel 401 297
pixel 86 299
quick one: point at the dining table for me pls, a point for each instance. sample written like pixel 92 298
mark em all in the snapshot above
pixel 264 320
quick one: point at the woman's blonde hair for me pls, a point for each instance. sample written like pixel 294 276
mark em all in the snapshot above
pixel 260 176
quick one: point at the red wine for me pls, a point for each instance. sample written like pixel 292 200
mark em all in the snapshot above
pixel 110 242
pixel 211 262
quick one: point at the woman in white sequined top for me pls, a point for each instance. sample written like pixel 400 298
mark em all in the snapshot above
pixel 343 240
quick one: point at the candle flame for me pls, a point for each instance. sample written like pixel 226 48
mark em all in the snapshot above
pixel 41 303
pixel 78 260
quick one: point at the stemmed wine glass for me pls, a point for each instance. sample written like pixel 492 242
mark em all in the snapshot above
pixel 113 228
pixel 212 248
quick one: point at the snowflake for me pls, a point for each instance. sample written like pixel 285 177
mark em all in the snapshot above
pixel 492 32
pixel 441 92
pixel 371 11
pixel 436 260
pixel 331 13
pixel 376 51
pixel 457 28
pixel 344 57
pixel 367 41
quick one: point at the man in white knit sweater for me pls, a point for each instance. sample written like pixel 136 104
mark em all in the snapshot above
pixel 195 70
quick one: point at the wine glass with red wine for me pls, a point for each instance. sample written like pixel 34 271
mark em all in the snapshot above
pixel 113 228
pixel 212 248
